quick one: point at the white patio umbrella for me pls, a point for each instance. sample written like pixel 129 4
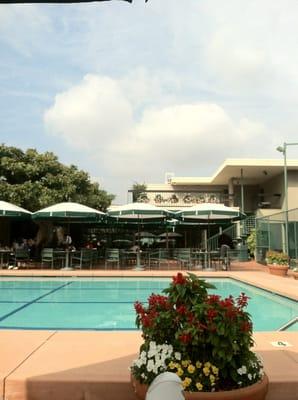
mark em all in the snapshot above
pixel 69 211
pixel 138 213
pixel 171 235
pixel 11 210
pixel 144 234
pixel 210 213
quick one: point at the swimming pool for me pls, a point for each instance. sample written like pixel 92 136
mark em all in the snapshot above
pixel 107 303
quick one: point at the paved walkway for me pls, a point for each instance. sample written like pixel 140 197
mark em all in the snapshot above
pixel 50 365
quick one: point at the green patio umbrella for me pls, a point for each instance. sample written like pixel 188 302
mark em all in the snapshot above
pixel 13 211
pixel 139 213
pixel 207 213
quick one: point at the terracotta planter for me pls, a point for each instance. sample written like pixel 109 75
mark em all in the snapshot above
pixel 257 391
pixel 279 270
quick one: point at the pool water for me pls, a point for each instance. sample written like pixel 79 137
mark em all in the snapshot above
pixel 107 303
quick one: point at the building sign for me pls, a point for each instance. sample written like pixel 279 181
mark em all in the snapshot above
pixel 180 199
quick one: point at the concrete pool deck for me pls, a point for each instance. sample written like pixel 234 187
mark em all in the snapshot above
pixel 74 365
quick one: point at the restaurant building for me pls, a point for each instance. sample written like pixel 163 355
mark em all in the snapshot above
pixel 256 186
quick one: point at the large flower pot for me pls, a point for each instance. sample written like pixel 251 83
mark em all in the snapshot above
pixel 257 391
pixel 279 270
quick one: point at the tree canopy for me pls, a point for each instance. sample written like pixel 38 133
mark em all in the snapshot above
pixel 33 181
pixel 138 190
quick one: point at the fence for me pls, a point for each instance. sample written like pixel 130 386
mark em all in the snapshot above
pixel 270 234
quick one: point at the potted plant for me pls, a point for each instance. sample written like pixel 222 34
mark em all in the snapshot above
pixel 278 262
pixel 205 339
pixel 295 273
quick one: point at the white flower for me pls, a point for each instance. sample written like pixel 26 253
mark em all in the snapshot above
pixel 150 365
pixel 249 376
pixel 152 353
pixel 139 362
pixel 242 370
pixel 152 345
pixel 177 355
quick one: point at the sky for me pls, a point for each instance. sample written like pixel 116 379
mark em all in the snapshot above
pixel 129 92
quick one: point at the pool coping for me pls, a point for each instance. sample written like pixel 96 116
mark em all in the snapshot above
pixel 71 365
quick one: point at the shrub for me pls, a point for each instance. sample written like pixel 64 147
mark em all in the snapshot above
pixel 202 337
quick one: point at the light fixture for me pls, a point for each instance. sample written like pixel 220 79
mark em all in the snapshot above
pixel 283 150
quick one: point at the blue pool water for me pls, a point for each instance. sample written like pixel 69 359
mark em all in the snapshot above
pixel 107 303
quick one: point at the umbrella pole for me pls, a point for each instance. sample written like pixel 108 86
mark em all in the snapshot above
pixel 167 239
pixel 138 267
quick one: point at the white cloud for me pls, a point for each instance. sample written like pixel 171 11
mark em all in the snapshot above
pixel 167 87
pixel 98 117
pixel 250 45
pixel 90 114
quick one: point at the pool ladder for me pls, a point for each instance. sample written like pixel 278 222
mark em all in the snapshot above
pixel 288 324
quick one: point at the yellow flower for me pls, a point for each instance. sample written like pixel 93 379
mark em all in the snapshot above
pixel 206 371
pixel 186 382
pixel 198 364
pixel 177 365
pixel 214 370
pixel 179 372
pixel 172 365
pixel 207 364
pixel 199 386
pixel 185 363
pixel 191 368
pixel 212 378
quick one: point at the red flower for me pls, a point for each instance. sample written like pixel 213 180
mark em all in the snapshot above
pixel 185 338
pixel 179 279
pixel 246 326
pixel 242 300
pixel 213 298
pixel 146 321
pixel 211 313
pixel 181 310
pixel 190 317
pixel 227 302
pixel 158 300
pixel 231 313
pixel 139 307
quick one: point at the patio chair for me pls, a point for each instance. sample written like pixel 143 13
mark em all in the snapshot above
pixel 21 257
pixel 82 258
pixel 158 258
pixel 113 258
pixel 52 257
pixel 225 254
pixel 184 258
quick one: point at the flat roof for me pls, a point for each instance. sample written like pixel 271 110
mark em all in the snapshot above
pixel 254 171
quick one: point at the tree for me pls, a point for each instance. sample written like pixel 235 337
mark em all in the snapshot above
pixel 33 181
pixel 138 192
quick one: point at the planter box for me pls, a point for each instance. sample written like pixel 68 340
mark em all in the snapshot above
pixel 279 270
pixel 257 391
